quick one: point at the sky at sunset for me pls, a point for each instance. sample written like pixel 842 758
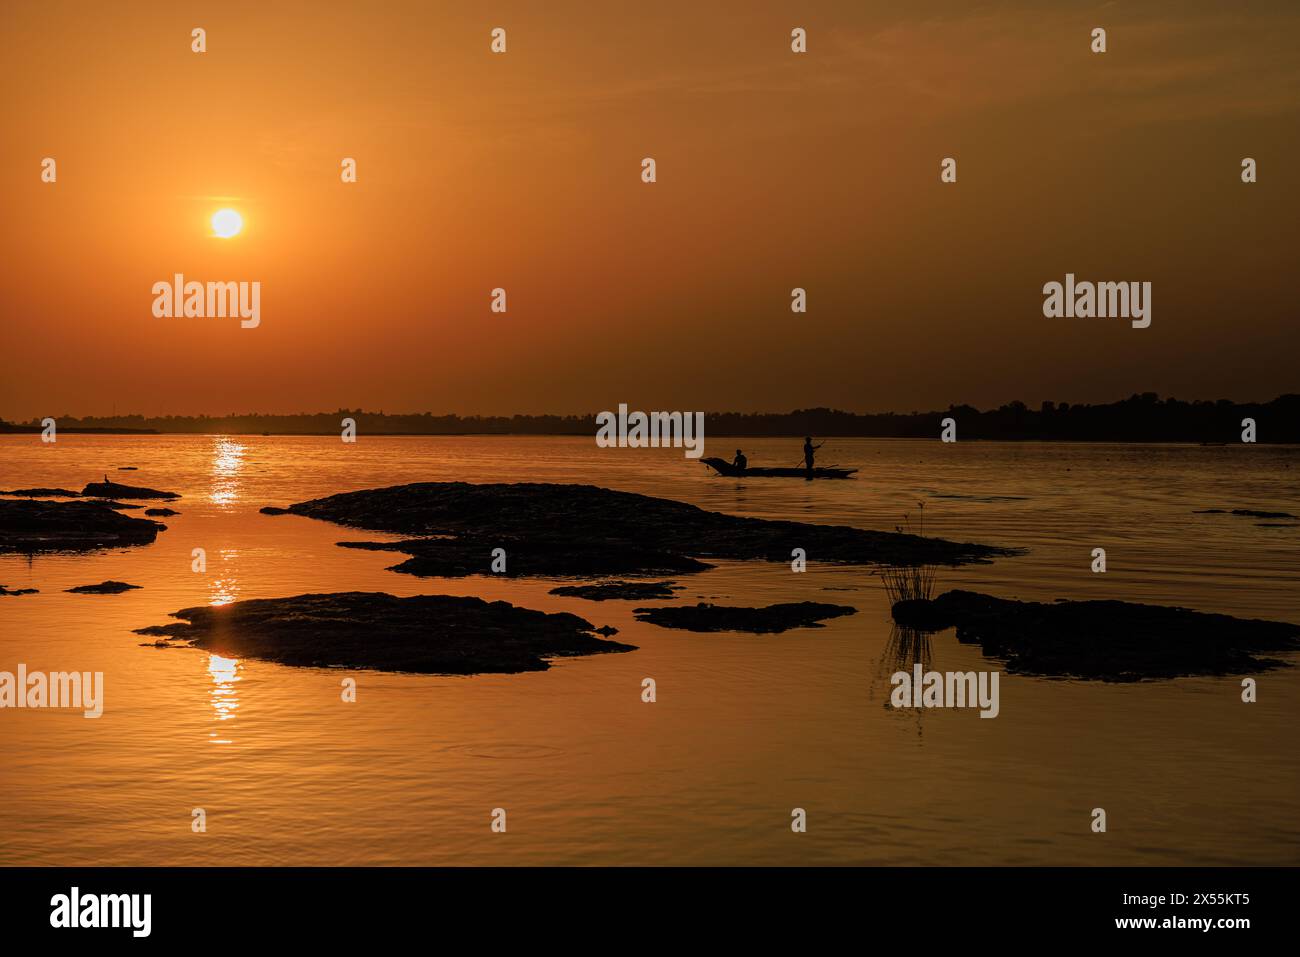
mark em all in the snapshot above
pixel 522 170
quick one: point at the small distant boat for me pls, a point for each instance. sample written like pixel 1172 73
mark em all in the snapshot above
pixel 723 467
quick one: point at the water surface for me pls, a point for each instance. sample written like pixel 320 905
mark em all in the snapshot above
pixel 745 727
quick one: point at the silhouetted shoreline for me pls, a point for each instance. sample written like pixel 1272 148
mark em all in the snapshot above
pixel 1139 418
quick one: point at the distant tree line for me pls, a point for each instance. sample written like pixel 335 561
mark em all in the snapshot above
pixel 1139 418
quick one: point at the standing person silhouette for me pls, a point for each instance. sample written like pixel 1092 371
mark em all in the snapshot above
pixel 808 453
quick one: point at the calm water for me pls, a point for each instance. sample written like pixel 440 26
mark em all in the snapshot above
pixel 746 727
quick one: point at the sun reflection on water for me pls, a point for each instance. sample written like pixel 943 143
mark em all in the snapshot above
pixel 225 585
pixel 224 694
pixel 224 591
pixel 227 463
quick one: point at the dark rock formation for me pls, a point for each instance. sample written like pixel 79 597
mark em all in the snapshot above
pixel 584 530
pixel 1106 640
pixel 18 591
pixel 431 634
pixel 117 490
pixel 161 512
pixel 35 526
pixel 624 591
pixel 769 620
pixel 103 588
pixel 43 493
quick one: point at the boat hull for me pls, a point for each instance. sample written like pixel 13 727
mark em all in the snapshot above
pixel 723 467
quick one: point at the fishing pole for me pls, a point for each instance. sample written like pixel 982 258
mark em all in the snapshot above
pixel 801 458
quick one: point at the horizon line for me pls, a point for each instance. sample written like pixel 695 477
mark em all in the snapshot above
pixel 1014 404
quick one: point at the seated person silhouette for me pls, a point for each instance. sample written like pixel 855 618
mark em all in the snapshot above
pixel 740 462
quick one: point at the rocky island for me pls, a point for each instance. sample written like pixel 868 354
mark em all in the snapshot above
pixel 33 525
pixel 109 587
pixel 768 620
pixel 582 530
pixel 619 591
pixel 107 489
pixel 428 634
pixel 1104 640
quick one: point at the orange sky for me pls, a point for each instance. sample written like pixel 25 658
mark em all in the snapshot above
pixel 522 170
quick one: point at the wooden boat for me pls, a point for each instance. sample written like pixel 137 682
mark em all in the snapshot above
pixel 723 467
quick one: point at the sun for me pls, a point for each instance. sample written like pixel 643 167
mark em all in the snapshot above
pixel 227 223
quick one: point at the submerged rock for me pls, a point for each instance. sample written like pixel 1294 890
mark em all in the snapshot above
pixel 18 591
pixel 35 526
pixel 429 634
pixel 117 490
pixel 584 530
pixel 771 619
pixel 1106 640
pixel 103 588
pixel 624 591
